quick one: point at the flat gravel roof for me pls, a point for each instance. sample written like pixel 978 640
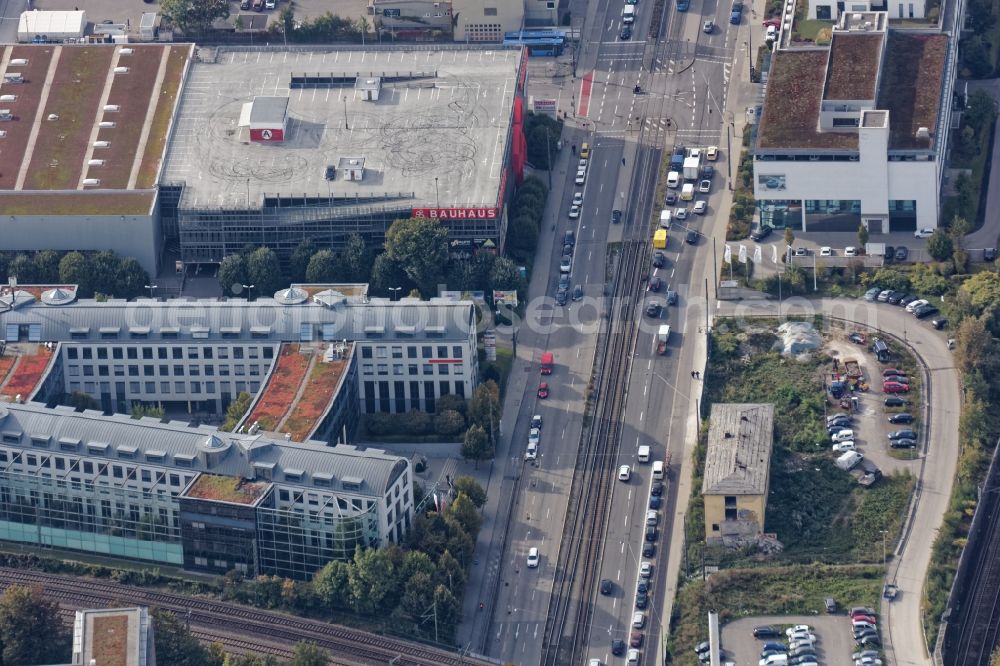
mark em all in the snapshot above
pixel 440 135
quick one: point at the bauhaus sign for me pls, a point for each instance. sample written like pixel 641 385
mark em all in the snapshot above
pixel 456 213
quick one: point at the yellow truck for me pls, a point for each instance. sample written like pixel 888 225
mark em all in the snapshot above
pixel 660 239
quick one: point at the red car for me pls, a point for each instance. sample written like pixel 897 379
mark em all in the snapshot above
pixel 543 390
pixel 864 618
pixel 895 387
pixel 635 639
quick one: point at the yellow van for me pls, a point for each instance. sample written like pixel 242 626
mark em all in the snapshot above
pixel 660 239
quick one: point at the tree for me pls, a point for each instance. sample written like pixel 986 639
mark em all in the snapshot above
pixel 449 423
pixel 420 247
pixel 939 245
pixel 233 274
pixel 451 401
pixel 130 278
pixel 466 513
pixel 356 259
pixel 194 17
pixel 174 643
pixel 249 660
pixel 484 408
pixel 975 56
pixel 505 275
pixel 419 594
pixel 476 445
pixel 370 579
pixel 46 266
pixel 23 268
pixel 388 274
pixel 322 267
pixel 522 235
pixel 80 401
pixel 469 487
pixel 983 290
pixel 299 260
pixel 862 237
pixel 139 410
pixel 308 654
pixel 331 584
pixel 264 271
pixel 31 631
pixel 74 268
pixel 789 236
pixel 104 267
pixel 236 409
pixel 973 344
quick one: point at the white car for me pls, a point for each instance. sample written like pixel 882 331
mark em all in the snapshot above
pixel 531 453
pixel 638 620
pixel 581 177
pixel 624 473
pixel 712 153
pixel 565 264
pixel 578 198
pixel 910 307
pixel 695 152
pixel 705 186
pixel 681 213
pixel 582 164
pixel 801 639
pixel 633 657
pixel 534 435
pixel 798 628
pixel 845 435
pixel 850 251
pixel 700 208
pixel 826 251
pixel 532 558
pixel 673 180
pixel 923 233
pixel 646 570
pixel 841 447
pixel 574 212
pixel 652 517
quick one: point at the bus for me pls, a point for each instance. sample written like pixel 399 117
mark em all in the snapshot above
pixel 660 239
pixel 539 42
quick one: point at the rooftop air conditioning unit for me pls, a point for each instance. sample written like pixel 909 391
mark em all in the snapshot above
pixel 13 77
pixel 91 182
pixel 18 62
pixel 3 134
pixel 5 114
pixel 111 108
pixel 923 133
pixel 121 70
pixel 102 144
pixel 868 25
pixel 126 52
pixel 52 117
pixel 856 17
pixel 106 124
pixel 95 162
pixel 8 98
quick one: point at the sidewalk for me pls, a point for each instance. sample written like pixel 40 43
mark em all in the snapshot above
pixel 505 470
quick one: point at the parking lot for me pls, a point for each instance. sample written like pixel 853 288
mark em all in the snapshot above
pixel 834 644
pixel 871 420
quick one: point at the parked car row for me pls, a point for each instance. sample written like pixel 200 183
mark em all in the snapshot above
pixel 918 307
pixel 798 647
pixel 864 625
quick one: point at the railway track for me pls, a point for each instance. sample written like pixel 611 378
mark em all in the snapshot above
pixel 241 627
pixel 974 627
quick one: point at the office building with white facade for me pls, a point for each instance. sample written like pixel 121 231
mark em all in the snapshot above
pixel 855 132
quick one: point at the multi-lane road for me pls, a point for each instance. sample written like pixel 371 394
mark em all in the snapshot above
pixel 684 75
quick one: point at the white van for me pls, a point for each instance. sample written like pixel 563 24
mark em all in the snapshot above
pixel 644 453
pixel 665 216
pixel 687 192
pixel 628 14
pixel 673 180
pixel 658 470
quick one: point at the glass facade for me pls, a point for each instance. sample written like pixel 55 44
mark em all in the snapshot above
pixel 80 515
pixel 296 545
pixel 833 214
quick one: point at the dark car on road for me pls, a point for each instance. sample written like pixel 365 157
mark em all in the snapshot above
pixel 902 253
pixel 760 233
pixel 691 238
pixel 626 32
pixel 655 502
pixel 562 296
pixel 736 15
pixel 890 254
pixel 618 647
pixel 653 309
pixel 655 283
pixel 657 489
pixel 897 402
pixel 906 300
pixel 902 434
pixel 616 216
pixel 990 254
pixel 671 199
pixel 659 259
pixel 605 587
pixel 925 311
pixel 903 444
pixel 901 418
pixel 650 534
pixel 939 323
pixel 895 297
pixel 649 550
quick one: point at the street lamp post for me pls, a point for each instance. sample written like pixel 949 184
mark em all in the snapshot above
pixel 437 194
pixel 151 287
pixel 395 293
pixel 346 126
pixel 249 288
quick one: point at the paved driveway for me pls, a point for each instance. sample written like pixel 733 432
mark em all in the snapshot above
pixel 902 626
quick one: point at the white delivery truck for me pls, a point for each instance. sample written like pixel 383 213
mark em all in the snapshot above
pixel 661 339
pixel 692 168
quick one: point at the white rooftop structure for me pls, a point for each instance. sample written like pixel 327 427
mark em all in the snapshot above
pixel 55 25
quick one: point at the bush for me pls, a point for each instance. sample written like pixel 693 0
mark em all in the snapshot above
pixel 413 422
pixel 449 423
pixel 380 424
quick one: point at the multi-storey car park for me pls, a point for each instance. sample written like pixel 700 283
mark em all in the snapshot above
pixel 135 148
pixel 855 132
pixel 274 146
